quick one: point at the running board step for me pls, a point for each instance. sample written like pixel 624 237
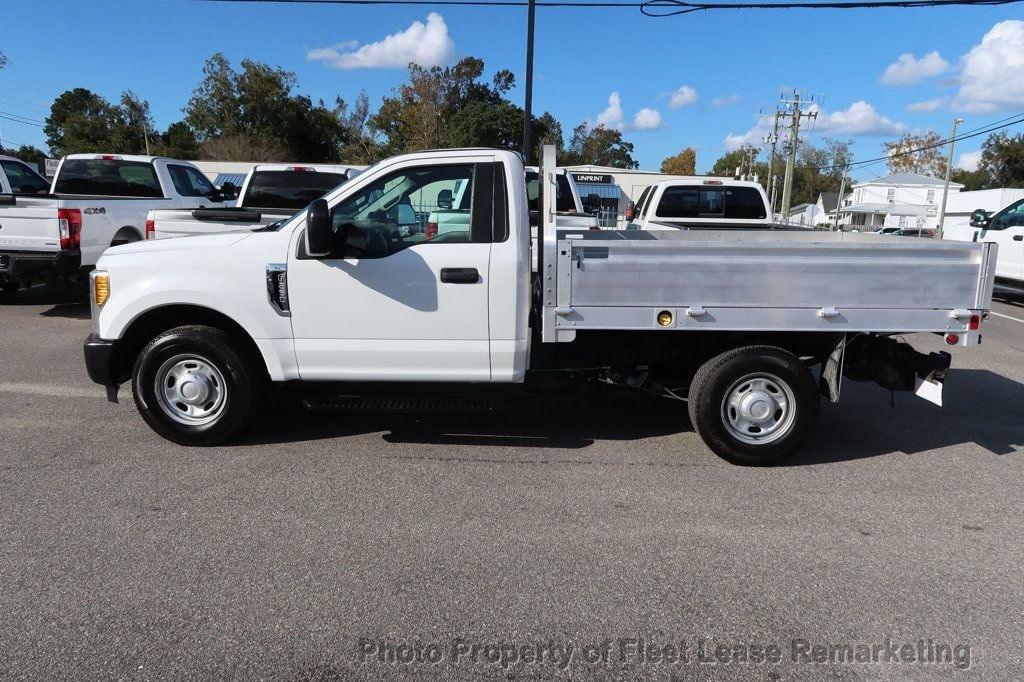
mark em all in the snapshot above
pixel 394 404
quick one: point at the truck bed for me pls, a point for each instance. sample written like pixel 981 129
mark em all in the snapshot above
pixel 761 281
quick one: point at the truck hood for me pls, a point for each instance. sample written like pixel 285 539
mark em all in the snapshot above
pixel 205 242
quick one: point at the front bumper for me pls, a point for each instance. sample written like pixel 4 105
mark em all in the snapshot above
pixel 19 266
pixel 100 362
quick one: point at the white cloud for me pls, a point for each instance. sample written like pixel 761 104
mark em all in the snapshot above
pixel 725 100
pixel 614 118
pixel 611 117
pixel 426 44
pixel 969 161
pixel 992 78
pixel 647 119
pixel 683 97
pixel 925 107
pixel 754 136
pixel 859 119
pixel 907 70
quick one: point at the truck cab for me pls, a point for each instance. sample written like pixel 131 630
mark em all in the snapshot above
pixel 1005 228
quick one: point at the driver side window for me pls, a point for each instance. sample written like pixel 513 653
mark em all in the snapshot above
pixel 1014 217
pixel 420 205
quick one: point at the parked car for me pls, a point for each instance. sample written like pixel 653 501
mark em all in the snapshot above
pixel 888 230
pixel 913 232
pixel 200 326
pixel 95 201
pixel 269 193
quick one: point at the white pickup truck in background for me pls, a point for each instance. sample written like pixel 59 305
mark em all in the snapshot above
pixel 270 193
pixel 17 177
pixel 1005 228
pixel 700 203
pixel 95 201
pixel 339 295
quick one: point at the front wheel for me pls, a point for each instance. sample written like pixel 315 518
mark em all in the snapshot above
pixel 755 405
pixel 194 386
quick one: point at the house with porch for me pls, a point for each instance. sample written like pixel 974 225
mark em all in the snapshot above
pixel 905 200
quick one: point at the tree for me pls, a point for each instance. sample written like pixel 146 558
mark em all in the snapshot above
pixel 598 146
pixel 727 164
pixel 25 152
pixel 242 147
pixel 80 121
pixel 1002 160
pixel 254 109
pixel 3 60
pixel 360 145
pixel 916 154
pixel 971 180
pixel 547 130
pixel 178 142
pixel 683 163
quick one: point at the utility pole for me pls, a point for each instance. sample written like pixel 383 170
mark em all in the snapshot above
pixel 839 201
pixel 528 105
pixel 949 168
pixel 794 140
pixel 773 140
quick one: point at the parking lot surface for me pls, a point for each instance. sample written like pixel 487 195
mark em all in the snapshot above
pixel 567 528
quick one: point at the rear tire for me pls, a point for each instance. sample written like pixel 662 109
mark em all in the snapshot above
pixel 195 386
pixel 754 405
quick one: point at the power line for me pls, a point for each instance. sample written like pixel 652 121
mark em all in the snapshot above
pixel 28 123
pixel 651 8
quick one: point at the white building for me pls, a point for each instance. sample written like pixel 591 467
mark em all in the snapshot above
pixel 906 200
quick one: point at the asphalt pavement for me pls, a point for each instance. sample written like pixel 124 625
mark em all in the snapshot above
pixel 569 536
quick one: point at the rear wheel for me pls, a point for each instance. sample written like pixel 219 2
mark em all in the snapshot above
pixel 194 386
pixel 755 405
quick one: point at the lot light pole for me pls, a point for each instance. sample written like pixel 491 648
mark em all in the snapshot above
pixel 949 168
pixel 528 105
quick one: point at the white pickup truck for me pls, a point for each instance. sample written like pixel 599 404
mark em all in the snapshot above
pixel 700 203
pixel 17 177
pixel 338 300
pixel 270 193
pixel 1005 228
pixel 96 201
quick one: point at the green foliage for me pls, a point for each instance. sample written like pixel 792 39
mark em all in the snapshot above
pixel 971 180
pixel 178 142
pixel 598 146
pixel 683 163
pixel 255 110
pixel 1002 160
pixel 25 152
pixel 82 121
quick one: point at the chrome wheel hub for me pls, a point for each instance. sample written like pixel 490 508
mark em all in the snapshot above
pixel 190 390
pixel 758 409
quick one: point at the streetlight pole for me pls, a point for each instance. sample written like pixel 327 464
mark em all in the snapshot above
pixel 528 105
pixel 949 168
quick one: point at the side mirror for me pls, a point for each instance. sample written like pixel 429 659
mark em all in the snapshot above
pixel 592 204
pixel 318 229
pixel 630 213
pixel 979 218
pixel 444 198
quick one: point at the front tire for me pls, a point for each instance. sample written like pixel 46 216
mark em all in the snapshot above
pixel 195 386
pixel 755 405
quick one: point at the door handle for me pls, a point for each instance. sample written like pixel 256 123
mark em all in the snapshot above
pixel 1018 237
pixel 460 275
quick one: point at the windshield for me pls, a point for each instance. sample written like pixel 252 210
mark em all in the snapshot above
pixel 288 189
pixel 736 203
pixel 108 177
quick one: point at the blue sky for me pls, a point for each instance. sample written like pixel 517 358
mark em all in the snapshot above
pixel 697 80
